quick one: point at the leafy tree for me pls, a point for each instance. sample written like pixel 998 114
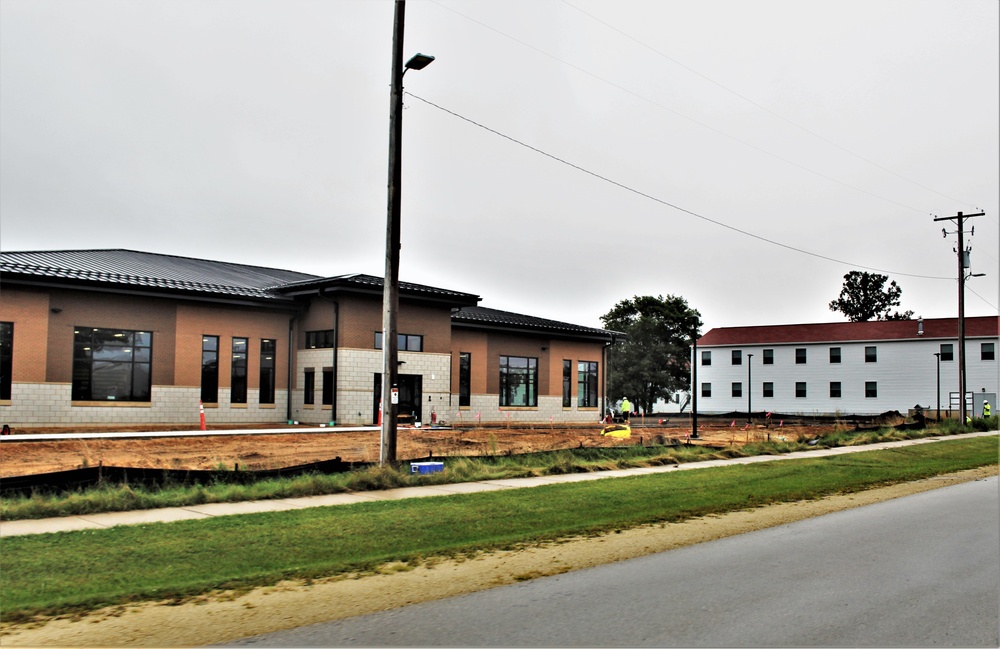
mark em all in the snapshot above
pixel 654 360
pixel 865 297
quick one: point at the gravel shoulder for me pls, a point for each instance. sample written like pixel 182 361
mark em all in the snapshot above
pixel 226 616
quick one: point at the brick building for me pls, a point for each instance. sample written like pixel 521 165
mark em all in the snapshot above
pixel 127 337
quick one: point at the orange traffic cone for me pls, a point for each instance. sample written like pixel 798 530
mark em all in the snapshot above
pixel 201 412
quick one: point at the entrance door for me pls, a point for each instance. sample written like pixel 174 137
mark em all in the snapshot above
pixel 410 397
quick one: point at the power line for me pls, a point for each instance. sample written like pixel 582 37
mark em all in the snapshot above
pixel 660 200
pixel 679 114
pixel 760 106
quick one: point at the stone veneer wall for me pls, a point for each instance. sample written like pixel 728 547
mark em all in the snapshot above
pixel 485 408
pixel 49 404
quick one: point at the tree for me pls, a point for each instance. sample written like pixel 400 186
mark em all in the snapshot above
pixel 865 297
pixel 654 360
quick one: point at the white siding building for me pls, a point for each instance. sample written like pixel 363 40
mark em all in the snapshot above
pixel 849 368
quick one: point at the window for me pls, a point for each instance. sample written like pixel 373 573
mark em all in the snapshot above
pixel 947 352
pixel 871 389
pixel 737 357
pixel 567 385
pixel 768 357
pixel 268 350
pixel 407 342
pixel 6 358
pixel 238 386
pixel 987 352
pixel 327 386
pixel 706 358
pixel 834 389
pixel 737 389
pixel 111 364
pixel 464 379
pixel 518 381
pixel 319 339
pixel 309 387
pixel 209 369
pixel 871 354
pixel 706 389
pixel 768 389
pixel 835 354
pixel 800 356
pixel 586 384
pixel 800 390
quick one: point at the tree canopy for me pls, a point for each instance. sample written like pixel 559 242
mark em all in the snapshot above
pixel 865 297
pixel 654 361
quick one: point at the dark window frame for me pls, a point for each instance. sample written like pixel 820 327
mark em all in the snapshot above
pixel 513 377
pixel 567 383
pixel 871 389
pixel 737 389
pixel 706 390
pixel 6 359
pixel 309 386
pixel 768 389
pixel 768 357
pixel 239 369
pixel 987 352
pixel 836 390
pixel 801 390
pixel 835 355
pixel 586 384
pixel 737 357
pixel 801 355
pixel 464 379
pixel 407 342
pixel 209 368
pixel 320 339
pixel 268 364
pixel 706 358
pixel 947 352
pixel 871 354
pixel 109 360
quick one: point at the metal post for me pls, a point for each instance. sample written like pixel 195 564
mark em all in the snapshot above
pixel 938 356
pixel 390 288
pixel 694 386
pixel 749 388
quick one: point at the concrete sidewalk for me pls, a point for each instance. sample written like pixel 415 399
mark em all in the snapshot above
pixel 170 514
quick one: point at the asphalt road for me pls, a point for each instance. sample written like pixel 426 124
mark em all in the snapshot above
pixel 918 571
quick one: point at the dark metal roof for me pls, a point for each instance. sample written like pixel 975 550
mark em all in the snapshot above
pixel 145 271
pixel 150 271
pixel 360 283
pixel 479 317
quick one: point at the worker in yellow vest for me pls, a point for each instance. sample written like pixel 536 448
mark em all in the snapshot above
pixel 626 409
pixel 986 409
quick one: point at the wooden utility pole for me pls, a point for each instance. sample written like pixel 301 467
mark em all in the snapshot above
pixel 960 221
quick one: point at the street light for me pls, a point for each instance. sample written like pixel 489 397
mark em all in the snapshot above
pixel 390 286
pixel 749 387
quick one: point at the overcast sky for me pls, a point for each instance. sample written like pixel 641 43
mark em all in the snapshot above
pixel 559 156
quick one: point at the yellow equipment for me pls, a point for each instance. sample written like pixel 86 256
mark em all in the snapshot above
pixel 621 431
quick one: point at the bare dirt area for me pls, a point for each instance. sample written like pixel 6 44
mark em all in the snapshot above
pixel 227 616
pixel 273 451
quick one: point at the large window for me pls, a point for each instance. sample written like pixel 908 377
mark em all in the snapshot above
pixel 947 352
pixel 238 377
pixel 209 369
pixel 268 350
pixel 407 342
pixel 6 358
pixel 567 383
pixel 518 381
pixel 464 379
pixel 586 384
pixel 987 352
pixel 319 339
pixel 111 364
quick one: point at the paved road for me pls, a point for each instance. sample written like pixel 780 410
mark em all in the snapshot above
pixel 919 571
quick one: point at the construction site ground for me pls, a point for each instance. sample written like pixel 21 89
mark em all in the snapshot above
pixel 272 451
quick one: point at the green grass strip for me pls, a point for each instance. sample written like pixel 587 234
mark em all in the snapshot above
pixel 63 572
